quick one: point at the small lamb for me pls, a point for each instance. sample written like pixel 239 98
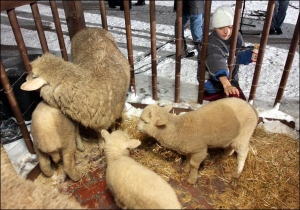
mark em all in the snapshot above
pixel 227 123
pixel 54 135
pixel 134 185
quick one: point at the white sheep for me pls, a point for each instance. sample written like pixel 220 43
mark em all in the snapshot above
pixel 227 123
pixel 134 185
pixel 92 89
pixel 55 136
pixel 20 193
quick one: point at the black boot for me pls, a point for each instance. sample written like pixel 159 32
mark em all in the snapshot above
pixel 184 52
pixel 140 3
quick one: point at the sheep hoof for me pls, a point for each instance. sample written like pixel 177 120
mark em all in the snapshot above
pixel 101 146
pixel 81 149
pixel 186 168
pixel 192 180
pixel 236 175
pixel 48 173
pixel 76 177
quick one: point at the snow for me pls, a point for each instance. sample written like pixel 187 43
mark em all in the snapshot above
pixel 272 68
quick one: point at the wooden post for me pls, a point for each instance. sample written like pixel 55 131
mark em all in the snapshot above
pixel 178 49
pixel 153 49
pixel 262 47
pixel 204 51
pixel 288 64
pixel 74 16
pixel 129 43
pixel 235 32
pixel 103 14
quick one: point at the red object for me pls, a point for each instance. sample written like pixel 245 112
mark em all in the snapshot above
pixel 221 94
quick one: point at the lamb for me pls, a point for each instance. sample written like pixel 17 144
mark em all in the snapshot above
pixel 54 135
pixel 92 89
pixel 227 123
pixel 134 185
pixel 20 193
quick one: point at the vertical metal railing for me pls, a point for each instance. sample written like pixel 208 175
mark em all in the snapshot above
pixel 178 26
pixel 289 61
pixel 58 30
pixel 204 51
pixel 153 49
pixel 262 47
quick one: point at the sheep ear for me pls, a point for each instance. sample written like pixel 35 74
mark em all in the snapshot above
pixel 33 84
pixel 133 143
pixel 161 120
pixel 104 133
pixel 169 107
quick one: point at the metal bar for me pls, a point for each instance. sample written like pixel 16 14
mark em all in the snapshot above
pixel 16 109
pixel 288 64
pixel 74 16
pixel 235 32
pixel 8 5
pixel 153 49
pixel 103 14
pixel 129 43
pixel 204 51
pixel 19 38
pixel 262 47
pixel 58 30
pixel 39 26
pixel 178 49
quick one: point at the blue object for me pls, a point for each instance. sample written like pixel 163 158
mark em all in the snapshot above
pixel 220 73
pixel 244 57
pixel 210 87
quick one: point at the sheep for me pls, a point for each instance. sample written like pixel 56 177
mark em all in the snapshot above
pixel 227 123
pixel 54 135
pixel 133 185
pixel 92 89
pixel 20 193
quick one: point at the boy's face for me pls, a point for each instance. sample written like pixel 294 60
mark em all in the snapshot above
pixel 224 32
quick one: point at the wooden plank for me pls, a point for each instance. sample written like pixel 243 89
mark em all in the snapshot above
pixel 7 5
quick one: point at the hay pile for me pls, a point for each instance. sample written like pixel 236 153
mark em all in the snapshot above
pixel 270 178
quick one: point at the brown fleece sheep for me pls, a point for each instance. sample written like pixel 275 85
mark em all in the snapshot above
pixel 92 90
pixel 227 123
pixel 19 193
pixel 134 185
pixel 54 136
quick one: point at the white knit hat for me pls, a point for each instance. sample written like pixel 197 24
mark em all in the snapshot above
pixel 223 16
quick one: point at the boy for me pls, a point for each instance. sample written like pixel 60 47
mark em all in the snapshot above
pixel 218 49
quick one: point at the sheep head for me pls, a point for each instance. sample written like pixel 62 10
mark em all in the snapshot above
pixel 154 115
pixel 118 142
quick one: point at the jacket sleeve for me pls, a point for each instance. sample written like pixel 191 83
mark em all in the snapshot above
pixel 216 61
pixel 244 55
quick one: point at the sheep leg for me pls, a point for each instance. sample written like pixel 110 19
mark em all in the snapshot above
pixel 241 159
pixel 45 163
pixel 69 165
pixel 195 161
pixel 228 151
pixel 78 139
pixel 100 142
pixel 55 156
pixel 186 167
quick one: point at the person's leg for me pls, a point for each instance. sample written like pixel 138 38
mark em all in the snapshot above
pixel 281 13
pixel 197 27
pixel 111 4
pixel 273 23
pixel 140 3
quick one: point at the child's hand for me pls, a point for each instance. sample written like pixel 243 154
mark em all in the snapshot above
pixel 231 90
